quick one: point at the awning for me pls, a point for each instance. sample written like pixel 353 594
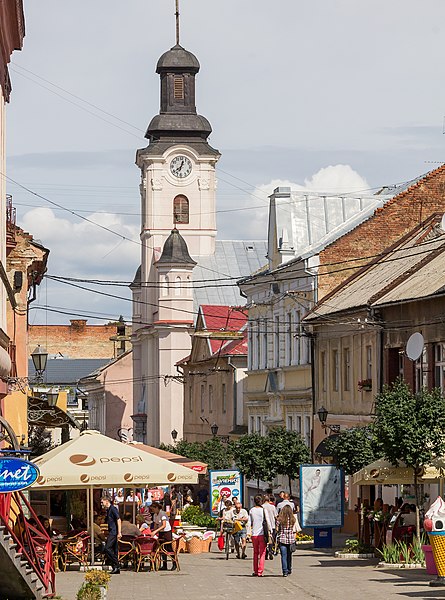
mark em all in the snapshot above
pixel 195 465
pixel 383 472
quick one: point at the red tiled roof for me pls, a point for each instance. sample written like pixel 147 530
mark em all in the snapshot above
pixel 235 347
pixel 222 318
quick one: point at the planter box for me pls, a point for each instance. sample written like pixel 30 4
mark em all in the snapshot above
pixel 384 565
pixel 350 556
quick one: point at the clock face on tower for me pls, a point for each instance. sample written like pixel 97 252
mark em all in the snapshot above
pixel 181 166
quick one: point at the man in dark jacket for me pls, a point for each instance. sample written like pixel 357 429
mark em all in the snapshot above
pixel 114 533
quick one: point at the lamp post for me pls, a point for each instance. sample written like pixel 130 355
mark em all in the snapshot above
pixel 174 435
pixel 39 359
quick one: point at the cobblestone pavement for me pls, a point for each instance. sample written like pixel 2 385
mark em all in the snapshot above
pixel 317 575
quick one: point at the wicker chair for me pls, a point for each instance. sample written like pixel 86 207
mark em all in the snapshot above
pixel 126 551
pixel 165 552
pixel 76 549
pixel 145 551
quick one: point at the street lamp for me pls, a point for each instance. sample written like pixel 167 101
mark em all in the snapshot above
pixel 174 434
pixel 214 429
pixel 323 413
pixel 39 359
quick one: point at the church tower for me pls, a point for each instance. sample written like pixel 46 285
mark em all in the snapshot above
pixel 178 189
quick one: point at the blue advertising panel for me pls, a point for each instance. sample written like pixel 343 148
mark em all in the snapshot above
pixel 225 484
pixel 321 496
pixel 16 474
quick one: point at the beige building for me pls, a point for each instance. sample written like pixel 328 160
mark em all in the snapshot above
pixel 214 374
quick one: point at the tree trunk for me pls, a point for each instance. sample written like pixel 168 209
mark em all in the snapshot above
pixel 290 485
pixel 416 494
pixel 258 485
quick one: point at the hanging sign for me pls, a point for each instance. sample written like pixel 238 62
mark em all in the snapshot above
pixel 16 474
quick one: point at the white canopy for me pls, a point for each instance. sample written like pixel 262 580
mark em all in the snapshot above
pixel 383 472
pixel 94 460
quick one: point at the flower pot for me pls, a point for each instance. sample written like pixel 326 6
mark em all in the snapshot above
pixel 103 592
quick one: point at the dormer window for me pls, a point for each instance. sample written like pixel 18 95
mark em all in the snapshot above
pixel 180 210
pixel 178 87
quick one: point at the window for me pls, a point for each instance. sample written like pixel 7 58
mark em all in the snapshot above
pixel 178 87
pixel 252 424
pixel 177 286
pixel 298 425
pixel 421 374
pixel 210 398
pixel 324 372
pixel 190 398
pixel 346 369
pixel 258 349
pixel 297 338
pixel 335 372
pixel 290 423
pixel 189 286
pixel 368 362
pixel 165 285
pixel 439 365
pixel 276 345
pixel 258 424
pixel 289 339
pixel 180 210
pixel 264 362
pixel 203 391
pixel 307 430
pixel 224 398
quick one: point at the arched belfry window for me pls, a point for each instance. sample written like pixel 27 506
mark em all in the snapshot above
pixel 180 209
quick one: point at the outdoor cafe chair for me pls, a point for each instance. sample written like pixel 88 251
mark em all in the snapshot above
pixel 145 551
pixel 126 551
pixel 165 551
pixel 75 549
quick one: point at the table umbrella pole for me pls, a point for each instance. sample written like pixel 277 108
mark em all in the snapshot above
pixel 91 492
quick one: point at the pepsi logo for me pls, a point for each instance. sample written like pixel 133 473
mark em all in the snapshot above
pixel 128 477
pixel 171 477
pixel 41 480
pixel 84 478
pixel 82 460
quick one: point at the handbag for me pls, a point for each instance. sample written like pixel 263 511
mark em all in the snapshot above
pixel 221 542
pixel 293 547
pixel 265 528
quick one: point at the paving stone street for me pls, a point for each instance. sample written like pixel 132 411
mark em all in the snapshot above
pixel 317 575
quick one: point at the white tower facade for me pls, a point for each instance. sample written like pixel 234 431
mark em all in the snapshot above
pixel 178 192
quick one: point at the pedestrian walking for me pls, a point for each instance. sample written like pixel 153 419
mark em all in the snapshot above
pixel 286 529
pixel 114 523
pixel 270 512
pixel 258 526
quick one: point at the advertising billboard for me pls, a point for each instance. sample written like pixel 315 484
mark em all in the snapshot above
pixel 226 484
pixel 321 496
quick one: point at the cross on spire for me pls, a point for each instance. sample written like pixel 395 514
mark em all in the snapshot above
pixel 177 22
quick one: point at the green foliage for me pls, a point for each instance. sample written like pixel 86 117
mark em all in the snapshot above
pixel 355 546
pixel 401 552
pixel 39 440
pixel 353 448
pixel 89 591
pixel 285 452
pixel 250 454
pixel 195 516
pixel 410 426
pixel 212 452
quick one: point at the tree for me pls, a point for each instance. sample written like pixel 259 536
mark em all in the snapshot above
pixel 250 457
pixel 212 452
pixel 409 427
pixel 39 440
pixel 285 452
pixel 353 448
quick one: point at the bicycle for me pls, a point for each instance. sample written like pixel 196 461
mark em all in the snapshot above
pixel 227 528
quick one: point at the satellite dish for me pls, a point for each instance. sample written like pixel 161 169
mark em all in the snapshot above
pixel 414 346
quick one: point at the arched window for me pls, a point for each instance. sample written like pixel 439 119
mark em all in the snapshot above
pixel 189 286
pixel 180 209
pixel 178 286
pixel 165 286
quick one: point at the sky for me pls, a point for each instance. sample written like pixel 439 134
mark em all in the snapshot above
pixel 328 96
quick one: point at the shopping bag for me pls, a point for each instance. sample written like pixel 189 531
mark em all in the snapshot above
pixel 221 542
pixel 237 526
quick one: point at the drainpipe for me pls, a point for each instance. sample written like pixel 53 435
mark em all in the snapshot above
pixel 235 393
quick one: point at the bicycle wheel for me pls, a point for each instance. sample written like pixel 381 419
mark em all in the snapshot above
pixel 227 545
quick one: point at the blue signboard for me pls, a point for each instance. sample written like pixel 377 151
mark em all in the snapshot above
pixel 16 474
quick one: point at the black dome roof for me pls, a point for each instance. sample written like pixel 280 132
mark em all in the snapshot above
pixel 175 250
pixel 178 58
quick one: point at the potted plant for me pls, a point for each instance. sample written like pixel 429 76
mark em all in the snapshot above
pixel 95 586
pixel 365 385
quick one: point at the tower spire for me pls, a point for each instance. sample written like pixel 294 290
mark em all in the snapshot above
pixel 177 22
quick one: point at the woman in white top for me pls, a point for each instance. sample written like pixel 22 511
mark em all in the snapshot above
pixel 256 518
pixel 164 529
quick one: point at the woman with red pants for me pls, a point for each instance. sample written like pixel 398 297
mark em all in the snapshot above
pixel 256 518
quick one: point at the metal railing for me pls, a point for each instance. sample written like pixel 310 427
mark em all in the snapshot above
pixel 32 541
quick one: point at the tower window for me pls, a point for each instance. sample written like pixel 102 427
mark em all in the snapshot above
pixel 180 210
pixel 178 88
